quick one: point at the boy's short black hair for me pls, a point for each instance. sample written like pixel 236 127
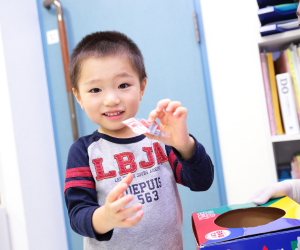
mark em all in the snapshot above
pixel 102 44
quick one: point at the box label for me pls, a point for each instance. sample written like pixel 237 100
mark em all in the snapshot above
pixel 215 235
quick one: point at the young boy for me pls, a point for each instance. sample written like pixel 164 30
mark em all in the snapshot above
pixel 120 188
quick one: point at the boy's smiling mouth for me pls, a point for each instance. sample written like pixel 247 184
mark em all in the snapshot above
pixel 113 115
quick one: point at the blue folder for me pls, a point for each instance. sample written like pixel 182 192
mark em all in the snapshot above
pixel 274 28
pixel 274 14
pixel 265 3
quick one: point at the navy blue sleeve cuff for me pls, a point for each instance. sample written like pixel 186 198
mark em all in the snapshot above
pixel 196 159
pixel 100 237
pixel 197 172
pixel 81 204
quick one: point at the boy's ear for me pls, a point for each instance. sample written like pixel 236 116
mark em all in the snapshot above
pixel 78 98
pixel 143 87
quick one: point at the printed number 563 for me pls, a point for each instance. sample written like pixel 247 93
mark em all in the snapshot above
pixel 147 197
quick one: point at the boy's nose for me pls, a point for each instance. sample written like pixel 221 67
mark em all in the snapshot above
pixel 111 99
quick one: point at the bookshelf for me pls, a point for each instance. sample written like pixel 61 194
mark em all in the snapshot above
pixel 281 147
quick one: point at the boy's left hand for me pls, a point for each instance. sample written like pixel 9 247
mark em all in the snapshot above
pixel 173 123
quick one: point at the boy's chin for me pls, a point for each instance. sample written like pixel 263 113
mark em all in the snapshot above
pixel 117 129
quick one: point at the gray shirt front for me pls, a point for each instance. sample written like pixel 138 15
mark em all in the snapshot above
pixel 98 162
pixel 155 186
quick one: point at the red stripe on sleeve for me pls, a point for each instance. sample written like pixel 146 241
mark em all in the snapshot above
pixel 178 170
pixel 79 183
pixel 172 158
pixel 78 172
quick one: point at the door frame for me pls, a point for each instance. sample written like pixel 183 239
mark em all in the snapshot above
pixel 211 108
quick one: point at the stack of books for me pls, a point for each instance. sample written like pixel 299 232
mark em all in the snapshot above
pixel 289 171
pixel 281 77
pixel 295 167
pixel 277 16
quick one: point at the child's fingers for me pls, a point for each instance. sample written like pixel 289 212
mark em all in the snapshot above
pixel 120 196
pixel 124 214
pixel 172 106
pixel 128 179
pixel 119 189
pixel 155 137
pixel 132 221
pixel 155 114
pixel 120 203
pixel 162 104
pixel 180 111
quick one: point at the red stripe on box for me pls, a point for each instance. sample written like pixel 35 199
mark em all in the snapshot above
pixel 178 169
pixel 79 183
pixel 78 172
pixel 172 158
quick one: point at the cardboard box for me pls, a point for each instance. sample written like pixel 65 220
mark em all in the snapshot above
pixel 272 226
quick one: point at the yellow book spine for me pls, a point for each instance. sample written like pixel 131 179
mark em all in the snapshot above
pixel 274 94
pixel 293 75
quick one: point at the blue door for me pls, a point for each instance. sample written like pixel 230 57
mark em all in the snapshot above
pixel 176 66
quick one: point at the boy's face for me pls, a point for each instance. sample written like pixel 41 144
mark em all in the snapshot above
pixel 109 91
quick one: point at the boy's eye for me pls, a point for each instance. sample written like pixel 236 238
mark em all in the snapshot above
pixel 95 90
pixel 124 86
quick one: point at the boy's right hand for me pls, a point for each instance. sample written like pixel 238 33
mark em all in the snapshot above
pixel 113 213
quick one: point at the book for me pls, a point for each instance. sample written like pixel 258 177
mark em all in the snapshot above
pixel 296 64
pixel 295 169
pixel 295 73
pixel 298 161
pixel 292 172
pixel 268 93
pixel 298 50
pixel 274 94
pixel 282 66
pixel 287 103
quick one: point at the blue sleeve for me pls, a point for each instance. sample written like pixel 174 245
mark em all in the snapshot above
pixel 197 172
pixel 80 194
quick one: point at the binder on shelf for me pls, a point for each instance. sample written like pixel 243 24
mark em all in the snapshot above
pixel 295 169
pixel 295 74
pixel 287 103
pixel 297 156
pixel 298 51
pixel 274 94
pixel 268 93
pixel 277 13
pixel 296 64
pixel 282 66
pixel 265 3
pixel 279 27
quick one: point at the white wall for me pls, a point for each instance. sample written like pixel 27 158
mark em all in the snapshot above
pixel 11 193
pixel 30 189
pixel 4 235
pixel 231 32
